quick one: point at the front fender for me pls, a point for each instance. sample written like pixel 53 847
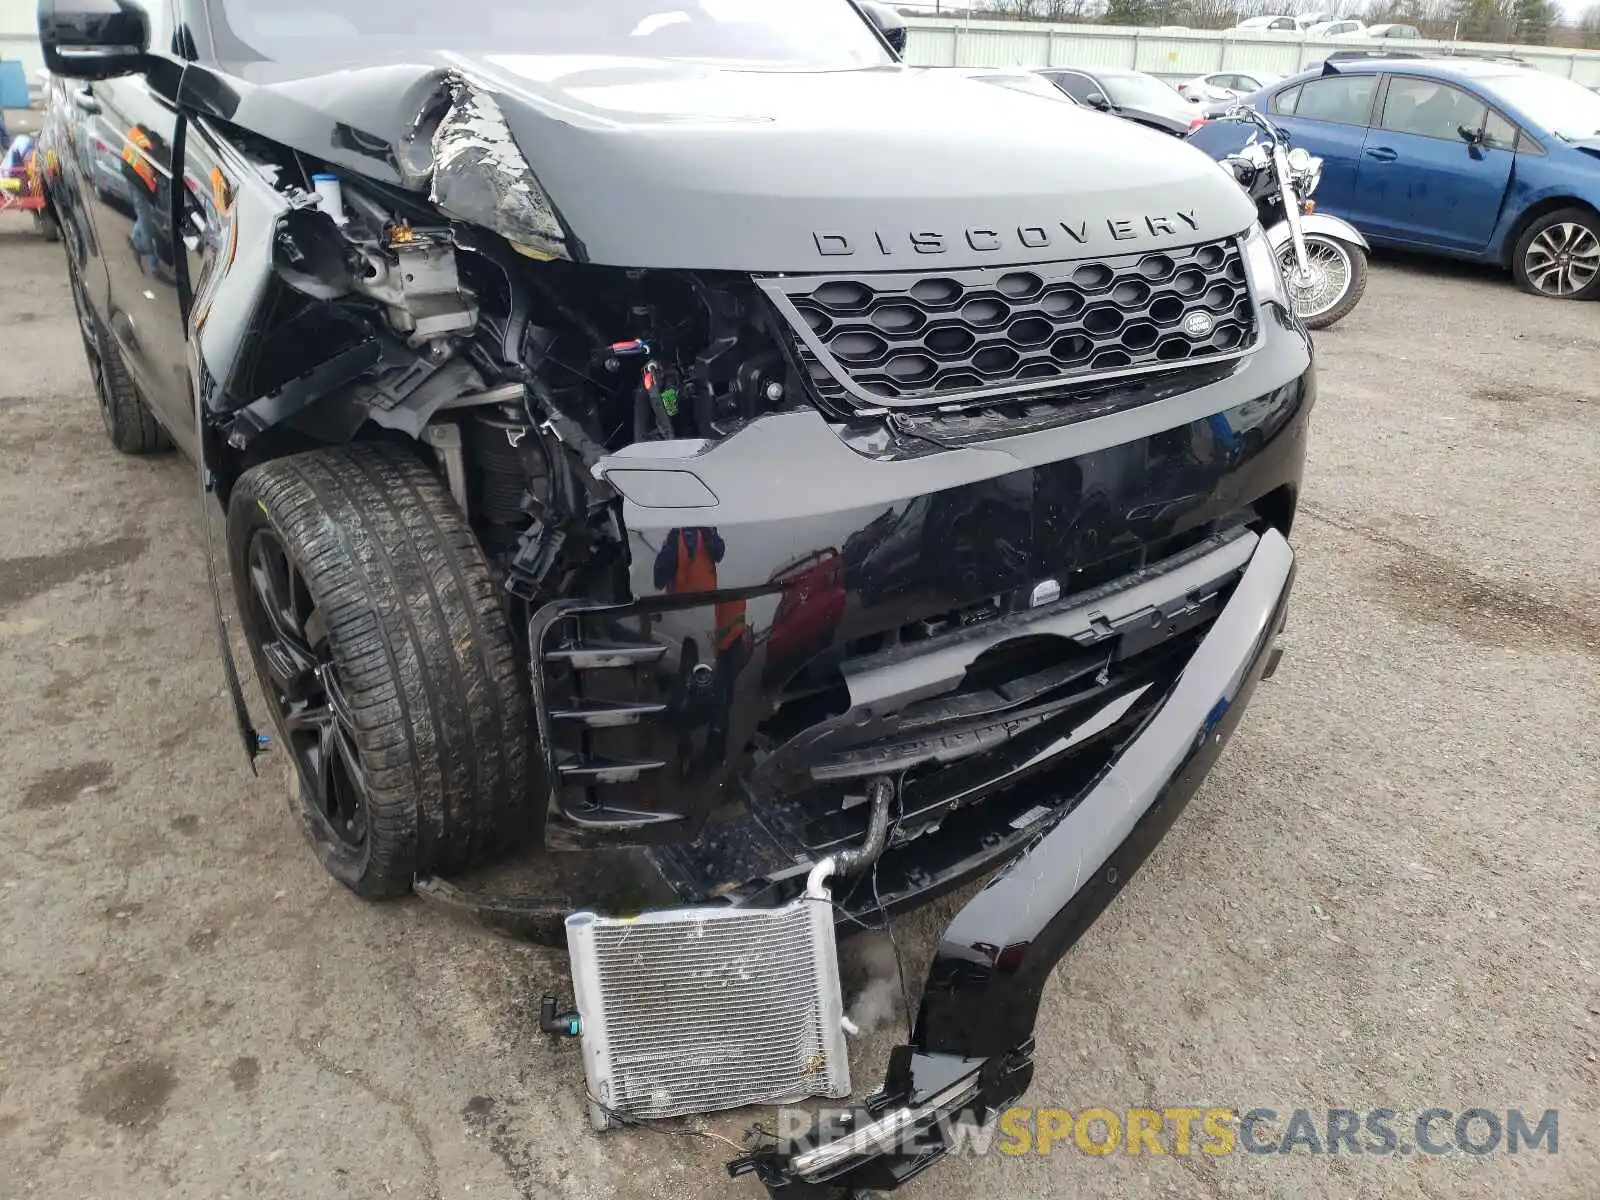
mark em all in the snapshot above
pixel 1325 224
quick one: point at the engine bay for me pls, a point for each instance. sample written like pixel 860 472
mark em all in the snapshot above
pixel 517 369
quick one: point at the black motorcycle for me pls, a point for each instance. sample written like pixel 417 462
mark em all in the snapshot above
pixel 1323 259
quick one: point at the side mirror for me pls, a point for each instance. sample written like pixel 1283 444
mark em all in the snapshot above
pixel 888 22
pixel 93 39
pixel 1098 100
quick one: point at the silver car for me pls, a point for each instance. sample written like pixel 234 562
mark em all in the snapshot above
pixel 1224 85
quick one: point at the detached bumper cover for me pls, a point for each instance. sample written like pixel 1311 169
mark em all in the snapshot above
pixel 971 1054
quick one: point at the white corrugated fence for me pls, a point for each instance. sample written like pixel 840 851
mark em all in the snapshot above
pixel 1177 54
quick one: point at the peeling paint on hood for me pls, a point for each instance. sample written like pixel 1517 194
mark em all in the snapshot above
pixel 480 176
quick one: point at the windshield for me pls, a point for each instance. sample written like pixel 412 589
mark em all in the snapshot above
pixel 1139 91
pixel 1568 110
pixel 818 34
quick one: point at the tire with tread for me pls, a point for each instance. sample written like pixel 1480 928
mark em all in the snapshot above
pixel 417 636
pixel 1352 295
pixel 1519 254
pixel 128 420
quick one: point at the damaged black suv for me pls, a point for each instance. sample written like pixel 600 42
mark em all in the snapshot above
pixel 678 425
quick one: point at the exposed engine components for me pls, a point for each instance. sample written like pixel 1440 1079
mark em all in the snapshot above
pixel 518 369
pixel 413 273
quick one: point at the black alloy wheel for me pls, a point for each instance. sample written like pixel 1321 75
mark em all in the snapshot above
pixel 301 679
pixel 379 636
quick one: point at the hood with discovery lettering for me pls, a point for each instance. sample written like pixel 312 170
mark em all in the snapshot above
pixel 673 164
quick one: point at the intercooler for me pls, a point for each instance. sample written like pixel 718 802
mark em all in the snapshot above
pixel 701 1009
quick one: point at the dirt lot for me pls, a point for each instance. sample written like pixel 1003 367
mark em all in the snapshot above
pixel 1388 894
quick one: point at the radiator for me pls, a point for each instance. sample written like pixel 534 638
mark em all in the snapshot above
pixel 702 1009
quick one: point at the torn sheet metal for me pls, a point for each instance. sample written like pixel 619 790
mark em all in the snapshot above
pixel 481 176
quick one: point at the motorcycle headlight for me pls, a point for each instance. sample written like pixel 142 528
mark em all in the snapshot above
pixel 1261 268
pixel 1299 160
pixel 1313 175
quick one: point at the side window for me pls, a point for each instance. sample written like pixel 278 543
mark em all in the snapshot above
pixel 1428 108
pixel 1499 132
pixel 1077 86
pixel 1282 23
pixel 1342 99
pixel 1284 103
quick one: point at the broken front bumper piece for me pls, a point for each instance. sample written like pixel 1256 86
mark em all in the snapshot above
pixel 971 1053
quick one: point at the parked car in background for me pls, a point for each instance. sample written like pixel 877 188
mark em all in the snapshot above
pixel 1393 31
pixel 1327 29
pixel 1224 85
pixel 1281 23
pixel 1268 24
pixel 1480 160
pixel 1132 95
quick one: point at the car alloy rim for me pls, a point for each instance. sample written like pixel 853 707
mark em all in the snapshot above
pixel 316 718
pixel 1325 280
pixel 1563 259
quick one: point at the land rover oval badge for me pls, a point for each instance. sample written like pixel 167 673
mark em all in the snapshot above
pixel 1199 325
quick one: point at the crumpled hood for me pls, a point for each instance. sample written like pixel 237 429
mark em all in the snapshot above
pixel 668 164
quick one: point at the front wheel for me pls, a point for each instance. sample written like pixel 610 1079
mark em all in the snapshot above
pixel 378 635
pixel 1333 282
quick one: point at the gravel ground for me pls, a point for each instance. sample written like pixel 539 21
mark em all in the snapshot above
pixel 1385 896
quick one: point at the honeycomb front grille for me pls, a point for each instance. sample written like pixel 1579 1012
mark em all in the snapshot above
pixel 913 337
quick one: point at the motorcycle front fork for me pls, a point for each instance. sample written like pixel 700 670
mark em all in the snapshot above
pixel 1289 200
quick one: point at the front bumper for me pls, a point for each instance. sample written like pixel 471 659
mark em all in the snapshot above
pixel 786 585
pixel 971 1053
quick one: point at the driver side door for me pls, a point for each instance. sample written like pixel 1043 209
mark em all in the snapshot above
pixel 132 202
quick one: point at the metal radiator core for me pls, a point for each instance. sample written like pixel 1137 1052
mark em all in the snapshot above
pixel 700 1009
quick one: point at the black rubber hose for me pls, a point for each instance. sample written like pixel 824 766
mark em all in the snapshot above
pixel 851 862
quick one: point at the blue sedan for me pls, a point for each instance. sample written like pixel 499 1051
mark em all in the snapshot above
pixel 1487 161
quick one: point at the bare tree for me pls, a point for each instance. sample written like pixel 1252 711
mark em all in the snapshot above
pixel 1017 10
pixel 1209 14
pixel 1589 27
